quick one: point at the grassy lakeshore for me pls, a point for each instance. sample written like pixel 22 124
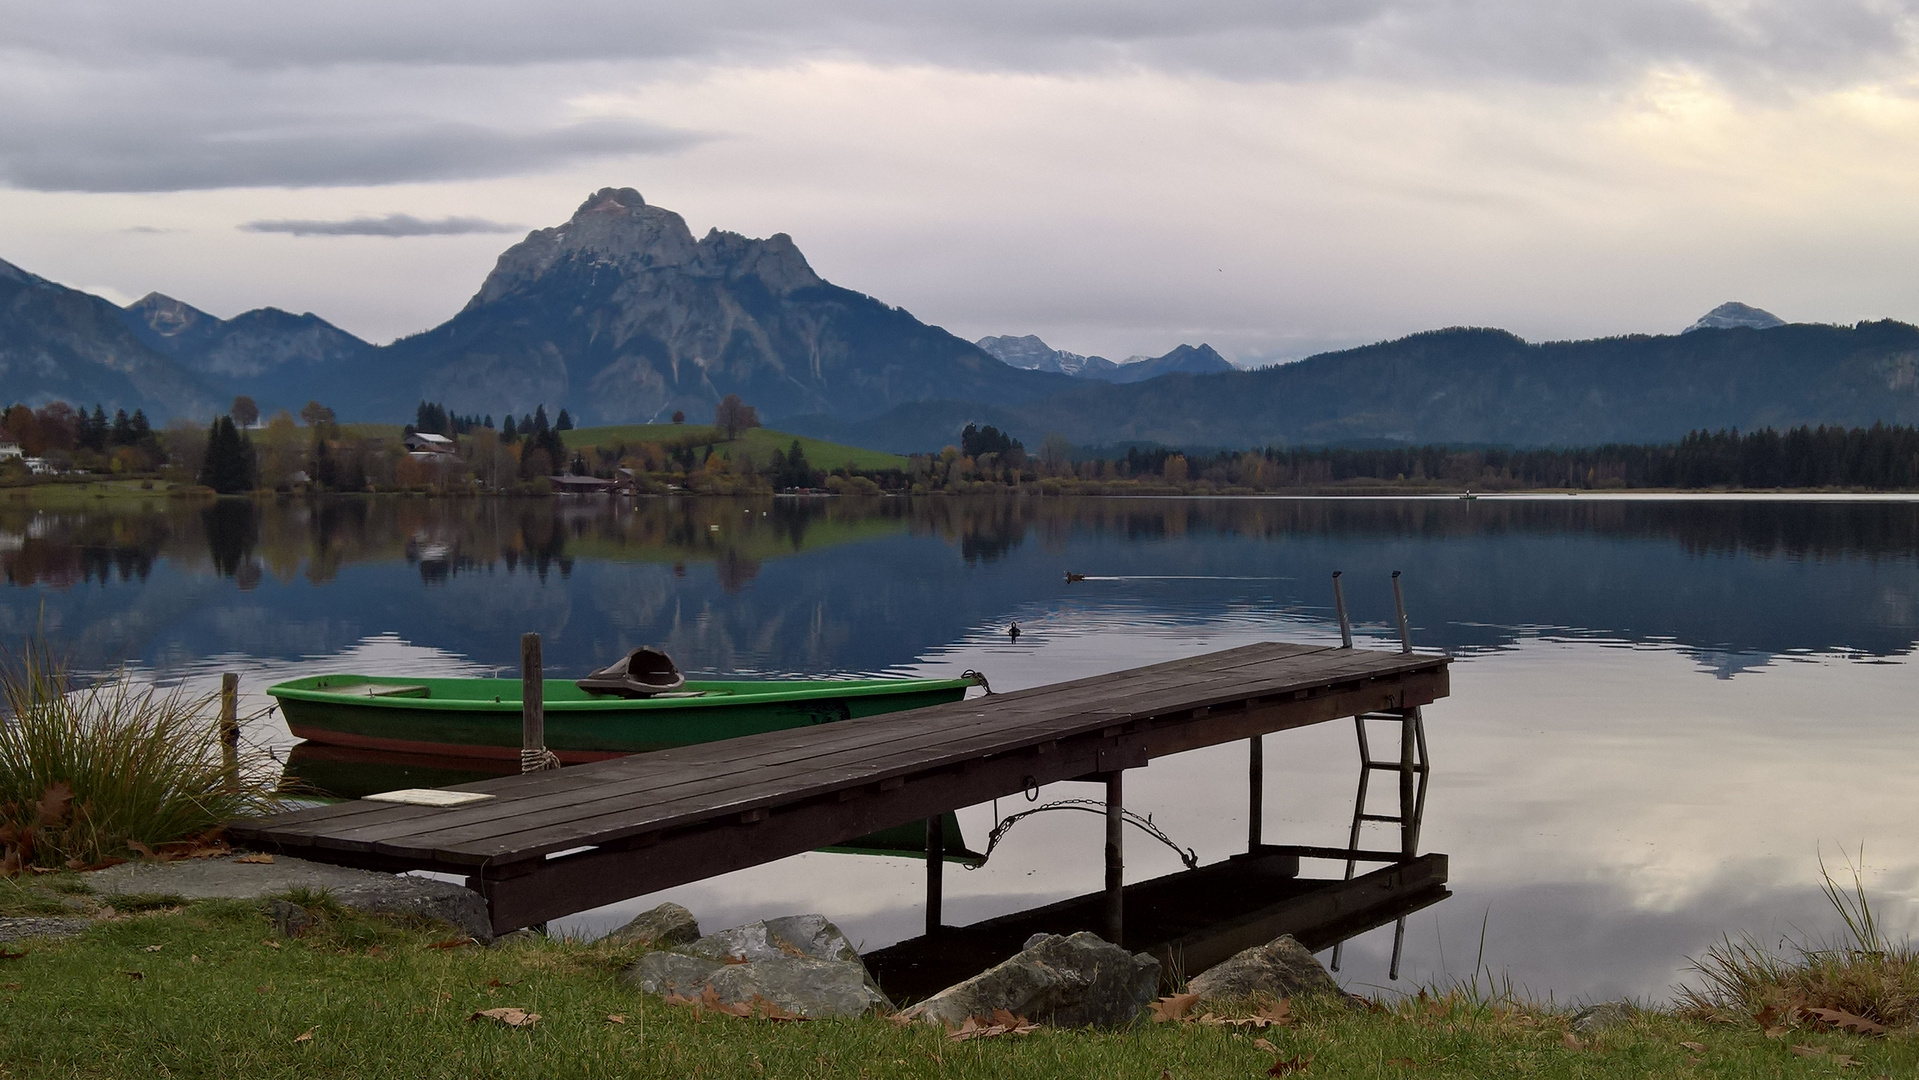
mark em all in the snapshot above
pixel 209 990
pixel 80 494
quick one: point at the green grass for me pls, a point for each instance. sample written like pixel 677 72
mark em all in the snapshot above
pixel 72 494
pixel 758 444
pixel 218 995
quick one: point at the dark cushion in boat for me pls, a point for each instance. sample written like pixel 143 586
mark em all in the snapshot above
pixel 641 673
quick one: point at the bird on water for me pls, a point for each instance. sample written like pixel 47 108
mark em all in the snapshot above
pixel 1012 633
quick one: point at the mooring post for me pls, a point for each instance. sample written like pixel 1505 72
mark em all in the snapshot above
pixel 230 726
pixel 1255 790
pixel 1115 860
pixel 1399 608
pixel 935 869
pixel 533 753
pixel 1339 605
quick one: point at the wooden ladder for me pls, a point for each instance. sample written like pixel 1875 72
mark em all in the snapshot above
pixel 1412 767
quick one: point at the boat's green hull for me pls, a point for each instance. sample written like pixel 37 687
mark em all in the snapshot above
pixel 481 717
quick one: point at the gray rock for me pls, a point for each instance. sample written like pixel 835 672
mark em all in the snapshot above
pixel 800 963
pixel 663 927
pixel 289 918
pixel 789 935
pixel 1594 1019
pixel 363 890
pixel 1072 981
pixel 1282 968
pixel 666 973
pixel 41 927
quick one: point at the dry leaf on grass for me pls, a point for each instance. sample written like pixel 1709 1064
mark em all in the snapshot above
pixel 271 944
pixel 12 954
pixel 513 1018
pixel 1571 1041
pixel 1172 1008
pixel 259 857
pixel 1290 1065
pixel 151 948
pixel 136 976
pixel 1002 1023
pixel 1262 1044
pixel 1775 1033
pixel 615 1018
pixel 306 1036
pixel 9 986
pixel 452 943
pixel 497 983
pixel 1697 1048
pixel 1840 1019
pixel 899 1019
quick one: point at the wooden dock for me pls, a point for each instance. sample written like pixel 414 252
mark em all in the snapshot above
pixel 550 844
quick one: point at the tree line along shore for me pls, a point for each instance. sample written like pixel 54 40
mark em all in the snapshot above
pixel 445 453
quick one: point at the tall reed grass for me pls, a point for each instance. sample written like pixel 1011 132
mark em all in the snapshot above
pixel 1863 974
pixel 103 772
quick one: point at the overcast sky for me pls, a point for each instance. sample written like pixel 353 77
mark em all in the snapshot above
pixel 1271 176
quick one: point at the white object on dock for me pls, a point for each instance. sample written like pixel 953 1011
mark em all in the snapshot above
pixel 417 796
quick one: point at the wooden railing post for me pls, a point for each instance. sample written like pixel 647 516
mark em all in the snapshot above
pixel 1115 859
pixel 935 869
pixel 533 752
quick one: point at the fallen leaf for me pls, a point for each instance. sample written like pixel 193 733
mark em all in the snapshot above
pixel 306 1036
pixel 271 944
pixel 1693 1061
pixel 1172 1008
pixel 1279 1012
pixel 899 1019
pixel 260 857
pixel 1570 1041
pixel 451 943
pixel 513 1018
pixel 10 954
pixel 1770 1017
pixel 1697 1048
pixel 1840 1019
pixel 496 982
pixel 1404 1063
pixel 1808 1051
pixel 1290 1065
pixel 1775 1033
pixel 151 948
pixel 1262 1044
pixel 136 976
pixel 615 1018
pixel 263 989
pixel 9 986
pixel 710 999
pixel 376 951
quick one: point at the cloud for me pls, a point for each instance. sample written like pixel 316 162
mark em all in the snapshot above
pixel 390 225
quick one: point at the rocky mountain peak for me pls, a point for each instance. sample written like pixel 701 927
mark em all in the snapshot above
pixel 10 272
pixel 1733 314
pixel 166 316
pixel 616 228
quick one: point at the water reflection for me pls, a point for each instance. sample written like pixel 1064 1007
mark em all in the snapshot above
pixel 1664 707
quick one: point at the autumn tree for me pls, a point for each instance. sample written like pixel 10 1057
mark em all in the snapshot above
pixel 734 416
pixel 244 410
pixel 316 414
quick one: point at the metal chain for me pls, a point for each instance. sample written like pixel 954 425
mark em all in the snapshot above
pixel 1090 806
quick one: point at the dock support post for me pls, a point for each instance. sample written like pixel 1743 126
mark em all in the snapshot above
pixel 1339 606
pixel 935 870
pixel 230 727
pixel 534 756
pixel 1115 860
pixel 1255 790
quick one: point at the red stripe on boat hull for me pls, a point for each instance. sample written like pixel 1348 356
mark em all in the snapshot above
pixel 329 737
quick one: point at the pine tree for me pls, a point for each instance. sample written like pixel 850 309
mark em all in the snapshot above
pixel 229 467
pixel 121 427
pixel 564 423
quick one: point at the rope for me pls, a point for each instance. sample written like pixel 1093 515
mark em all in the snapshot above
pixel 978 677
pixel 538 760
pixel 1090 806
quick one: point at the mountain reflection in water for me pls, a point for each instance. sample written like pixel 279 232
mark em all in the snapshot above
pixel 1665 706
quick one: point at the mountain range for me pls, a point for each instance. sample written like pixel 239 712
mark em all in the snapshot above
pixel 1032 354
pixel 621 315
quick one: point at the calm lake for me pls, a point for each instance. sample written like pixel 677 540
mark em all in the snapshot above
pixel 1665 711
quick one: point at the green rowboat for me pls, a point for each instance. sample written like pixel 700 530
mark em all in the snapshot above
pixel 481 717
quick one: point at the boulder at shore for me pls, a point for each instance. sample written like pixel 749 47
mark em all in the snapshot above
pixel 661 928
pixel 1281 968
pixel 1076 981
pixel 800 964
